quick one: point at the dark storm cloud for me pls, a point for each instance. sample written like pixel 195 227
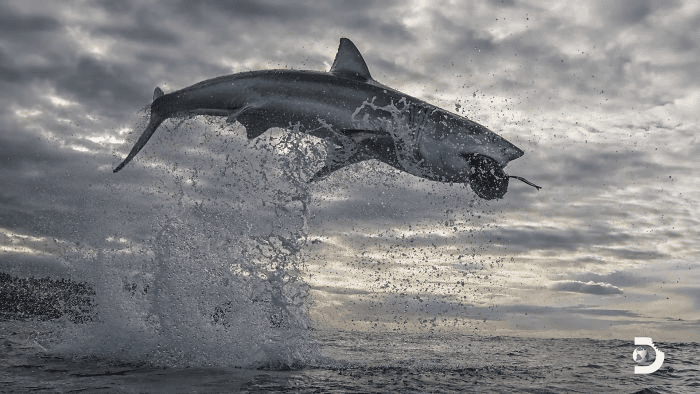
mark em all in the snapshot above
pixel 570 239
pixel 586 287
pixel 376 193
pixel 573 169
pixel 42 58
pixel 589 169
pixel 51 190
pixel 616 278
pixel 608 242
pixel 241 9
pixel 626 12
pixel 340 290
pixel 37 266
pixel 563 311
pixel 57 192
pixel 25 48
pixel 307 20
pixel 538 238
pixel 19 79
pixel 641 254
pixel 143 29
pixel 18 148
pixel 15 25
pixel 290 12
pixel 385 67
pixel 297 15
pixel 503 3
pixel 8 71
pixel 692 292
pixel 397 307
pixel 473 41
pixel 116 7
pixel 112 87
pixel 597 55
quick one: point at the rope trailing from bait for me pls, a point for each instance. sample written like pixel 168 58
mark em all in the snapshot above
pixel 525 181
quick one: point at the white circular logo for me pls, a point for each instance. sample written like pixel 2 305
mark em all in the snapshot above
pixel 641 354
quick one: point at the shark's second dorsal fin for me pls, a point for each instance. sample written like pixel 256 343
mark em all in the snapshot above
pixel 349 63
pixel 157 92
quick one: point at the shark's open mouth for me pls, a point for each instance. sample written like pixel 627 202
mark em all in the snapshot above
pixel 487 178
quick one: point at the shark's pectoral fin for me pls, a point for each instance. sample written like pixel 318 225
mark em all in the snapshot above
pixel 337 157
pixel 374 144
pixel 357 146
pixel 258 120
pixel 322 173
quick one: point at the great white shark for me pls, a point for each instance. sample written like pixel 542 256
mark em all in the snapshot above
pixel 360 118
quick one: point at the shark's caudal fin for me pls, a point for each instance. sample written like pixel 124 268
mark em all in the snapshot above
pixel 153 124
pixel 349 63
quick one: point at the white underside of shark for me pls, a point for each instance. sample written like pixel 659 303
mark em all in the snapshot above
pixel 360 118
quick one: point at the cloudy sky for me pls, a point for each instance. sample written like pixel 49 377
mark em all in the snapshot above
pixel 602 96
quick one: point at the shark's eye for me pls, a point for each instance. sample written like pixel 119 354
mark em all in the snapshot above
pixel 487 178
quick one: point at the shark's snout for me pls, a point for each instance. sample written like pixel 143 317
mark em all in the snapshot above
pixel 503 151
pixel 496 148
pixel 511 152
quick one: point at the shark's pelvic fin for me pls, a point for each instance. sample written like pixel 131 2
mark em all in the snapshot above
pixel 337 157
pixel 157 92
pixel 349 63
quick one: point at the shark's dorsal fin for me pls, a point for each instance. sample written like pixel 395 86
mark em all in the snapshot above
pixel 349 63
pixel 157 92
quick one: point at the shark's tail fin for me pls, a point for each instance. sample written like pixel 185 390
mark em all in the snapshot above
pixel 153 124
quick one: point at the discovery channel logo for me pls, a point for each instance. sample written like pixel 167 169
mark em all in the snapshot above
pixel 642 355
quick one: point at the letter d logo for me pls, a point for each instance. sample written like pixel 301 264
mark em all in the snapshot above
pixel 657 362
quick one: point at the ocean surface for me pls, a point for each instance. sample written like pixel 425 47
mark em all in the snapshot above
pixel 357 362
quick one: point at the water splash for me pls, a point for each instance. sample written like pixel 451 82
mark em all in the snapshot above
pixel 406 123
pixel 217 281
